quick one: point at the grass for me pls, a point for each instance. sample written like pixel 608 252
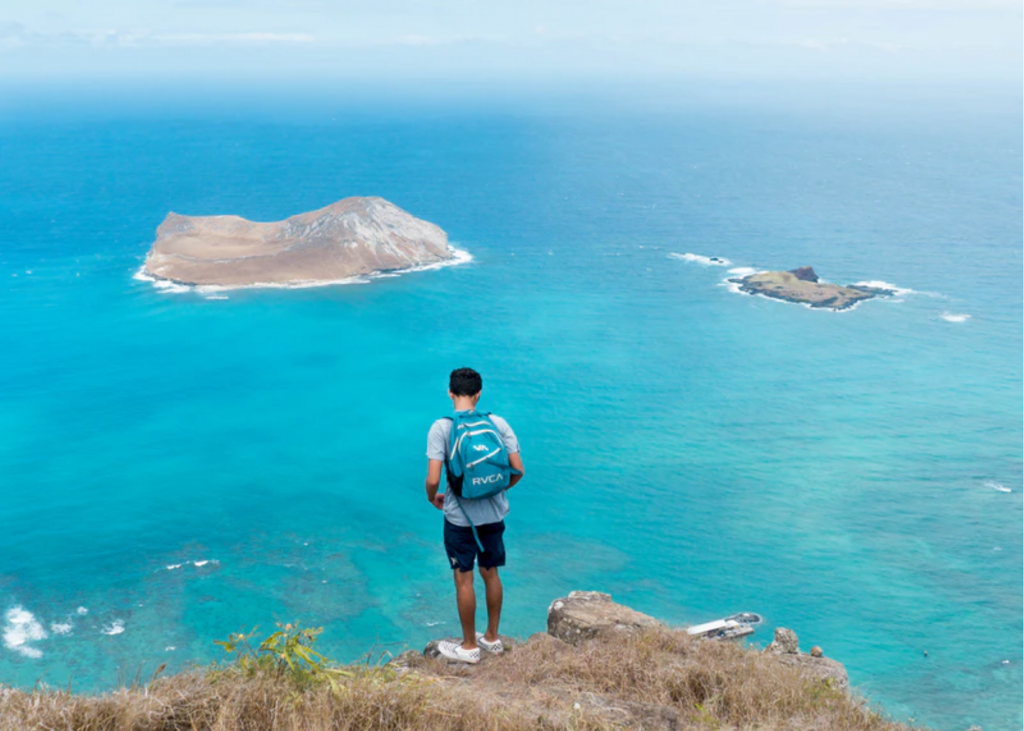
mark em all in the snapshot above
pixel 659 679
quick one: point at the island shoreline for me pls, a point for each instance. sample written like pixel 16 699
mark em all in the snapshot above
pixel 459 257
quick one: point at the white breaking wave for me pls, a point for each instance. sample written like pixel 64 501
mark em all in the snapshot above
pixel 21 629
pixel 743 271
pixel 879 284
pixel 997 486
pixel 166 287
pixel 954 317
pixel 114 628
pixel 459 256
pixel 161 285
pixel 732 284
pixel 82 611
pixel 198 563
pixel 709 261
pixel 61 628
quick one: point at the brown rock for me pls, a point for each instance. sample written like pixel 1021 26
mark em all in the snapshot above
pixel 584 615
pixel 805 274
pixel 815 666
pixel 819 668
pixel 785 643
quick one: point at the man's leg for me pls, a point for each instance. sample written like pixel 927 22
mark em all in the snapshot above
pixel 466 598
pixel 492 582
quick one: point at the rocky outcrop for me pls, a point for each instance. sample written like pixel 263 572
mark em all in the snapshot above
pixel 801 286
pixel 584 615
pixel 353 237
pixel 785 642
pixel 815 665
pixel 582 673
pixel 804 274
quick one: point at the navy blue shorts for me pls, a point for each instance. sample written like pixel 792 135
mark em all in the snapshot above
pixel 462 549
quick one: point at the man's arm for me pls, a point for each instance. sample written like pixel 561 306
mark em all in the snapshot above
pixel 434 482
pixel 515 461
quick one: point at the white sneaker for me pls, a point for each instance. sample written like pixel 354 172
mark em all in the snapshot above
pixel 455 651
pixel 495 648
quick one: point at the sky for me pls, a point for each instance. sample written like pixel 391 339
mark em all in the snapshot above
pixel 510 40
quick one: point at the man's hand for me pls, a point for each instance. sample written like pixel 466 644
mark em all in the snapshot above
pixel 515 461
pixel 438 501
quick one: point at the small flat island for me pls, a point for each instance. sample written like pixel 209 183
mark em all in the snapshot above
pixel 350 238
pixel 802 287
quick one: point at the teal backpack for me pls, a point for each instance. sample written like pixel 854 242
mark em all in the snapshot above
pixel 477 461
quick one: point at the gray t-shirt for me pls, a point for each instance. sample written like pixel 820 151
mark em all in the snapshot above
pixel 486 510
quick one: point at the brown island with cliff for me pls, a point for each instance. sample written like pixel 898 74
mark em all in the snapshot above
pixel 801 286
pixel 350 238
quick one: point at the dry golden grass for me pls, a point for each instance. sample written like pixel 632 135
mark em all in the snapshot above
pixel 656 680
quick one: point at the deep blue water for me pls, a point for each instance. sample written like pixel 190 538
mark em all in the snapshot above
pixel 695 452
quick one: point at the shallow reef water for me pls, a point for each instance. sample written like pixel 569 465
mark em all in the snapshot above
pixel 177 465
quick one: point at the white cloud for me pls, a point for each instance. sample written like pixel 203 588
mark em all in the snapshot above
pixel 928 5
pixel 15 35
pixel 415 40
pixel 833 44
pixel 193 39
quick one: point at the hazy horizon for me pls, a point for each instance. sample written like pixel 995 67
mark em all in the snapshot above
pixel 463 42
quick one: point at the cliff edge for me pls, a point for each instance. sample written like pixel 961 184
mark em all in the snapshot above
pixel 600 666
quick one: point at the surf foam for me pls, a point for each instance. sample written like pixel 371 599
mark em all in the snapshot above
pixel 879 284
pixel 996 486
pixel 709 261
pixel 743 271
pixel 21 629
pixel 114 628
pixel 954 317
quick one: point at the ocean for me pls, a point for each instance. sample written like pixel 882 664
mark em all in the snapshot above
pixel 178 465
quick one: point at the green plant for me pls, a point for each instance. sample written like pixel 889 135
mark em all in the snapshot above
pixel 287 652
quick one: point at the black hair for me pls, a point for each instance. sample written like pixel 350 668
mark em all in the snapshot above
pixel 465 382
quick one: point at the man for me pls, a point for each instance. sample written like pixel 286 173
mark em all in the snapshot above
pixel 487 514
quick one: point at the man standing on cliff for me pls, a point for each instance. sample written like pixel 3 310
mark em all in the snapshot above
pixel 487 515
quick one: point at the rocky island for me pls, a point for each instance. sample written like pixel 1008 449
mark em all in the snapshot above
pixel 801 286
pixel 350 238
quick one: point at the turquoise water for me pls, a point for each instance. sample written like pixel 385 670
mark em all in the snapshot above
pixel 695 452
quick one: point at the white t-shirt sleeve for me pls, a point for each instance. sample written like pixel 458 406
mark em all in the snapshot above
pixel 507 435
pixel 437 439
